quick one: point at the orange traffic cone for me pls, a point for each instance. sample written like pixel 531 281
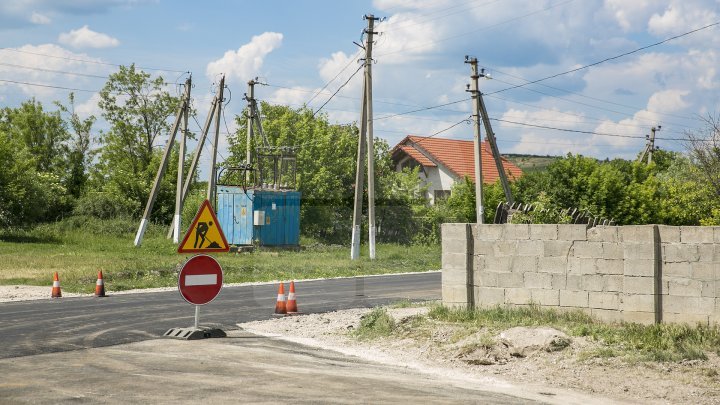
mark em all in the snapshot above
pixel 291 301
pixel 280 308
pixel 56 293
pixel 100 286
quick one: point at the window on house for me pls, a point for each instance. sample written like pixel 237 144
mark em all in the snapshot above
pixel 440 194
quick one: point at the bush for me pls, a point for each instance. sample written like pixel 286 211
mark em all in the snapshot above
pixel 102 205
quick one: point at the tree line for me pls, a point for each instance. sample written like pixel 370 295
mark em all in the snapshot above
pixel 52 171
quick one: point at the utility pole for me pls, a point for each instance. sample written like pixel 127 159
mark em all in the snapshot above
pixel 649 145
pixel 365 141
pixel 250 116
pixel 184 105
pixel 213 158
pixel 477 140
pixel 181 167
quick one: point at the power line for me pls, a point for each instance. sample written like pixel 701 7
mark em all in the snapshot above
pixel 89 61
pixel 54 71
pixel 419 110
pixel 335 77
pixel 339 88
pixel 48 86
pixel 609 59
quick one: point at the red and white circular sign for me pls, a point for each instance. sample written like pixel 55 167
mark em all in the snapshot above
pixel 200 280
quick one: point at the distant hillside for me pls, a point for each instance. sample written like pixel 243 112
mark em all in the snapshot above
pixel 531 163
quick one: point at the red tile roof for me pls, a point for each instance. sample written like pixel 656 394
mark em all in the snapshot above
pixel 456 155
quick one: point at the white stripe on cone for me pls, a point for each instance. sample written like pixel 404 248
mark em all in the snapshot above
pixel 281 297
pixel 291 296
pixel 56 284
pixel 99 282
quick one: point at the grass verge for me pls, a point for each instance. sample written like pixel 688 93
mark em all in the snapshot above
pixel 80 246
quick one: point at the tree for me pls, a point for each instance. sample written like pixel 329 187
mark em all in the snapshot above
pixel 704 150
pixel 137 109
pixel 79 157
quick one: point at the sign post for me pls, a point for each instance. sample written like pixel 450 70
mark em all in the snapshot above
pixel 201 277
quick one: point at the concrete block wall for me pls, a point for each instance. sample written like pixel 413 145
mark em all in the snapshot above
pixel 639 274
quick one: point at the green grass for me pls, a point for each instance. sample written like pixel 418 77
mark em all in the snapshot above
pixel 78 247
pixel 377 323
pixel 663 342
pixel 531 163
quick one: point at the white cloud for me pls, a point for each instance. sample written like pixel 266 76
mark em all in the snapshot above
pixel 246 62
pixel 633 15
pixel 86 38
pixel 40 19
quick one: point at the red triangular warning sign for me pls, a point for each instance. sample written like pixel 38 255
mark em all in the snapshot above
pixel 204 234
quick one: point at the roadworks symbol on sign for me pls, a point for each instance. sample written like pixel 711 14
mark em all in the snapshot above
pixel 204 235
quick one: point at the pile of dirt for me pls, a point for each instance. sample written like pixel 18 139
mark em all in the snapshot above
pixel 540 356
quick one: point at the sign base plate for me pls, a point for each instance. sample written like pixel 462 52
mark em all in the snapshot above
pixel 195 333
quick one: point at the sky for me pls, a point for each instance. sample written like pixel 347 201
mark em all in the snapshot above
pixel 304 51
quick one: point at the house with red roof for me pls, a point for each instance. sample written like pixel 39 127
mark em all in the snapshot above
pixel 443 162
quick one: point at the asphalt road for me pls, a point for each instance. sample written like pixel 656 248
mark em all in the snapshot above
pixel 46 326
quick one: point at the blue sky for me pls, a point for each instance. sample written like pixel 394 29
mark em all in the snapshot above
pixel 298 46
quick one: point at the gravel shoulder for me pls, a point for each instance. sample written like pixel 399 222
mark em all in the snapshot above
pixel 554 375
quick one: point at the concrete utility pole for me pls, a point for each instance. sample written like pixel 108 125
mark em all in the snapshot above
pixel 477 140
pixel 184 105
pixel 181 167
pixel 365 140
pixel 213 157
pixel 250 116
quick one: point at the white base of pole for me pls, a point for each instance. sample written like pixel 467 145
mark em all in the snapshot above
pixel 372 243
pixel 176 229
pixel 355 244
pixel 141 232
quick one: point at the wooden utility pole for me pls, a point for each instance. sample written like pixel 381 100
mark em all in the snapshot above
pixel 184 105
pixel 365 141
pixel 477 140
pixel 213 157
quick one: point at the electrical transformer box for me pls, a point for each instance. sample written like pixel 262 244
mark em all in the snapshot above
pixel 262 217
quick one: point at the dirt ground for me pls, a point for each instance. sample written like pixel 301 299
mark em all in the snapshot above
pixel 532 357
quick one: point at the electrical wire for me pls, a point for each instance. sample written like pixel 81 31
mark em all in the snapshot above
pixel 419 110
pixel 336 91
pixel 334 77
pixel 609 59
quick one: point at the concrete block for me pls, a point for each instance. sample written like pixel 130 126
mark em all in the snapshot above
pixel 487 278
pixel 572 232
pixel 613 250
pixel 677 252
pixel 529 248
pixel 716 234
pixel 559 281
pixel 545 297
pixel 517 231
pixel 687 305
pixel 606 315
pixel 638 251
pixel 669 234
pixel 645 268
pixel 522 264
pixel 587 250
pixel 613 283
pixel 488 296
pixel 604 300
pixel 573 282
pixel 593 282
pixel 696 234
pixel 478 263
pixel 705 271
pixel 455 260
pixel 638 303
pixel 503 248
pixel 690 319
pixel 706 252
pixel 610 266
pixel 557 265
pixel 518 296
pixel 454 246
pixel 511 280
pixel 709 289
pixel 639 285
pixel 490 232
pixel 637 234
pixel 684 287
pixel 537 280
pixel 500 264
pixel 484 247
pixel 679 269
pixel 643 318
pixel 603 234
pixel 454 276
pixel 544 232
pixel 578 299
pixel 581 266
pixel 557 248
pixel 455 295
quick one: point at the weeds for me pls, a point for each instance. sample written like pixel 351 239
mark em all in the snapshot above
pixel 377 323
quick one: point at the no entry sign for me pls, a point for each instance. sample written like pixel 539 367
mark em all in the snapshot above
pixel 200 280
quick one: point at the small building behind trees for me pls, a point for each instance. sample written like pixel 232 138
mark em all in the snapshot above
pixel 444 161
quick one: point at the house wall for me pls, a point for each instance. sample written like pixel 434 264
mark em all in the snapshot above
pixel 437 179
pixel 642 274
